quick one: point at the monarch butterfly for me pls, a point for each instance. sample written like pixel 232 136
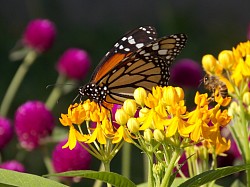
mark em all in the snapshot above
pixel 138 59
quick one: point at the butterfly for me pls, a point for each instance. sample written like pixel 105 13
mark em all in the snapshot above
pixel 138 59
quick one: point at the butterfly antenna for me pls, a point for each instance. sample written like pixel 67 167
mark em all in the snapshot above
pixel 77 97
pixel 52 85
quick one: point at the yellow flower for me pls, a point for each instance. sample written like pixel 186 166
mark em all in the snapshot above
pixel 242 62
pixel 170 96
pixel 97 134
pixel 65 121
pixel 246 98
pixel 218 147
pixel 226 59
pixel 74 136
pixel 140 95
pixel 148 135
pixel 130 107
pixel 158 135
pixel 121 116
pixel 220 118
pixel 220 100
pixel 133 125
pixel 210 65
pixel 121 132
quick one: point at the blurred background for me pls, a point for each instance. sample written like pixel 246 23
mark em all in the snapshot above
pixel 95 26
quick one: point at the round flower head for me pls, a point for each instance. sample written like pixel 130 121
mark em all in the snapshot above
pixel 186 73
pixel 74 63
pixel 64 159
pixel 33 122
pixel 39 35
pixel 13 165
pixel 6 132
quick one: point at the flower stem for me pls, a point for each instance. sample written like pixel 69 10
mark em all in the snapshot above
pixel 107 168
pixel 16 81
pixel 126 159
pixel 150 170
pixel 169 169
pixel 98 183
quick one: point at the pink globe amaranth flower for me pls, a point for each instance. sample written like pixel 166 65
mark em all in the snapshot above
pixel 13 165
pixel 39 34
pixel 186 73
pixel 67 160
pixel 6 132
pixel 33 122
pixel 74 63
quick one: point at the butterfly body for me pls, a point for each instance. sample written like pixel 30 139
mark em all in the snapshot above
pixel 138 59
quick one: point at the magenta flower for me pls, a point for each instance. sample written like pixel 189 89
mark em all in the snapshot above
pixel 39 35
pixel 186 73
pixel 67 160
pixel 6 132
pixel 74 63
pixel 33 122
pixel 13 165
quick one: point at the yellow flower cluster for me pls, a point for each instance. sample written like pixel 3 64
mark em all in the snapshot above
pixel 232 66
pixel 87 111
pixel 162 115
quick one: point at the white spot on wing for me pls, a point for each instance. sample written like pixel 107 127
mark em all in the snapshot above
pixel 139 45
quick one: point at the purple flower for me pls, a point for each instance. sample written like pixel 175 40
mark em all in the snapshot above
pixel 33 122
pixel 74 63
pixel 13 165
pixel 6 132
pixel 67 160
pixel 186 73
pixel 39 34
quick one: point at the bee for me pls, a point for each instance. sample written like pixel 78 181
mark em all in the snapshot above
pixel 212 82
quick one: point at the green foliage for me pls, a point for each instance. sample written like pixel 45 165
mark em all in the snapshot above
pixel 13 178
pixel 109 177
pixel 212 175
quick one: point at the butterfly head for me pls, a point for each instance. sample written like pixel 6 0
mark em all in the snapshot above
pixel 94 92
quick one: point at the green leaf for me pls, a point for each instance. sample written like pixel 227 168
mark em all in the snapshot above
pixel 212 175
pixel 108 177
pixel 13 178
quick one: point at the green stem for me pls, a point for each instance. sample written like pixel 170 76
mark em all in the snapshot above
pixel 126 159
pixel 107 168
pixel 16 81
pixel 169 169
pixel 145 166
pixel 98 183
pixel 150 170
pixel 56 92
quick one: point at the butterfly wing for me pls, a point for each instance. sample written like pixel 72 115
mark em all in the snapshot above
pixel 129 43
pixel 147 67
